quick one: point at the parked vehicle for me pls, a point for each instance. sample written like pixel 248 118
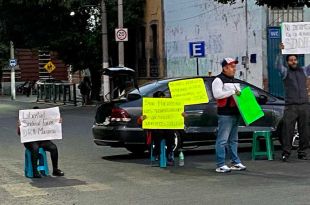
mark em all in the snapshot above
pixel 116 121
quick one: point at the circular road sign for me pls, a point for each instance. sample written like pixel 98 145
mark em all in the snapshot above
pixel 121 34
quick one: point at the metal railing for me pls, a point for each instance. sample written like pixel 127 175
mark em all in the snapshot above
pixel 57 93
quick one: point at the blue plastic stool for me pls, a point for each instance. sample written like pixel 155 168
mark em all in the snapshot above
pixel 42 166
pixel 162 155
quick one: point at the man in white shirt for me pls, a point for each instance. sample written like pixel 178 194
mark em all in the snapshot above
pixel 223 88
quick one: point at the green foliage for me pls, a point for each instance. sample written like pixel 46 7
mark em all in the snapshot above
pixel 47 24
pixel 274 3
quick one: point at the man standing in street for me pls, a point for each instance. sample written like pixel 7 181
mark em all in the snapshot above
pixel 296 105
pixel 223 88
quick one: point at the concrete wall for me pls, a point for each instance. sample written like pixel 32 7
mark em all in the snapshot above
pixel 223 28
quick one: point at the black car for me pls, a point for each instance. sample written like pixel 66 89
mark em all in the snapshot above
pixel 116 121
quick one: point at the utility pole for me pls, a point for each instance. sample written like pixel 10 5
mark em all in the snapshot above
pixel 247 41
pixel 105 86
pixel 120 43
pixel 13 93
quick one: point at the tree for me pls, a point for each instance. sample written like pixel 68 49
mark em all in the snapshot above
pixel 274 3
pixel 46 24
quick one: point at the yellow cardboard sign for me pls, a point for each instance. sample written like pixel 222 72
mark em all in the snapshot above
pixel 162 113
pixel 50 67
pixel 190 91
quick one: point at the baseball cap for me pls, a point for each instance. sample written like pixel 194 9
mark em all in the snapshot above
pixel 227 61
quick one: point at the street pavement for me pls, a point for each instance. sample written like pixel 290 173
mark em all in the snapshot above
pixel 113 176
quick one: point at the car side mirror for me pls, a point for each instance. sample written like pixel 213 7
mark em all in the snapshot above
pixel 262 99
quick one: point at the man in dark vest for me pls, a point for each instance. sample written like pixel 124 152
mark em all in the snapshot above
pixel 224 87
pixel 296 105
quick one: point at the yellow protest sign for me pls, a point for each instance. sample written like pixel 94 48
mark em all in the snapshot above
pixel 190 91
pixel 162 113
pixel 50 67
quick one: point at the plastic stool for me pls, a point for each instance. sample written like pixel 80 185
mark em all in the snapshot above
pixel 256 151
pixel 162 155
pixel 42 166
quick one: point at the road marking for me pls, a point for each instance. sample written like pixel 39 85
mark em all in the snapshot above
pixel 92 187
pixel 23 190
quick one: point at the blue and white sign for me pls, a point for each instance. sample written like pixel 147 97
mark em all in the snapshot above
pixel 13 62
pixel 197 49
pixel 274 33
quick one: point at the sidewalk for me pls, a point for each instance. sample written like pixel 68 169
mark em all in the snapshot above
pixel 20 98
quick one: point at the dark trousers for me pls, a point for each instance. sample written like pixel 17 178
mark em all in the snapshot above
pixel 301 115
pixel 47 146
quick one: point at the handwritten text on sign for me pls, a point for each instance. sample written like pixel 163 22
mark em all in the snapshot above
pixel 162 113
pixel 40 124
pixel 296 38
pixel 190 91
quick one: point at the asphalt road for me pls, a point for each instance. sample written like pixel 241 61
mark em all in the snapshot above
pixel 103 175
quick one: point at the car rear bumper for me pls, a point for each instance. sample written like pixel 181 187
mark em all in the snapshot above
pixel 117 136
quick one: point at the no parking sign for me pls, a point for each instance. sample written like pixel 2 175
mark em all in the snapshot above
pixel 121 34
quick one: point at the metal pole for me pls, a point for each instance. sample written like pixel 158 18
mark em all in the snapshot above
pixel 105 52
pixel 13 92
pixel 120 43
pixel 247 41
pixel 197 64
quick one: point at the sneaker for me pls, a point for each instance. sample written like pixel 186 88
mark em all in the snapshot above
pixel 238 167
pixel 58 173
pixel 223 169
pixel 285 158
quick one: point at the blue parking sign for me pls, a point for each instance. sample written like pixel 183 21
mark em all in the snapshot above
pixel 197 49
pixel 274 33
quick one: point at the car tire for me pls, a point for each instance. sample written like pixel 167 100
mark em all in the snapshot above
pixel 136 149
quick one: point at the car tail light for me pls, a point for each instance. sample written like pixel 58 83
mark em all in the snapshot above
pixel 120 115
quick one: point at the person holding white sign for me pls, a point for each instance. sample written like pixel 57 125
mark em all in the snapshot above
pixel 297 104
pixel 47 145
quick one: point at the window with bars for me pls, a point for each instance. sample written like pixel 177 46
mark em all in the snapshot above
pixel 277 16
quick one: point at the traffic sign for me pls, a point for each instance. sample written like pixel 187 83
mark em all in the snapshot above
pixel 13 62
pixel 197 49
pixel 121 34
pixel 49 67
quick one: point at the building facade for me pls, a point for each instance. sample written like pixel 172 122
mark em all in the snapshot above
pixel 239 31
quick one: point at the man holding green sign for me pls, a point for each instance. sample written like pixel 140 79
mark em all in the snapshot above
pixel 223 88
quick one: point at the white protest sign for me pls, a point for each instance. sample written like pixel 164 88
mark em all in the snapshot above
pixel 40 124
pixel 296 37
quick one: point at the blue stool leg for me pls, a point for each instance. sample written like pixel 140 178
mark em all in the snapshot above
pixel 43 165
pixel 152 157
pixel 28 166
pixel 163 158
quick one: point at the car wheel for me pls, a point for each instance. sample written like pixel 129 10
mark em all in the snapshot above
pixel 136 149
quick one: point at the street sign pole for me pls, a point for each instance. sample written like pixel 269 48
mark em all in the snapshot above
pixel 197 63
pixel 13 92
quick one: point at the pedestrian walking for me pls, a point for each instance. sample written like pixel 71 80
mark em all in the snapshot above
pixel 223 88
pixel 85 89
pixel 296 104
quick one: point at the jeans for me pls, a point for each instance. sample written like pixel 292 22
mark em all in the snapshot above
pixel 227 137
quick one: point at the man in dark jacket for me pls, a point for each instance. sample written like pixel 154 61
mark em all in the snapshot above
pixel 297 105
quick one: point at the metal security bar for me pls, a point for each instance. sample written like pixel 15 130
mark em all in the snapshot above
pixel 277 16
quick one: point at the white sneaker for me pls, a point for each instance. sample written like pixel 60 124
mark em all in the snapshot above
pixel 238 167
pixel 223 169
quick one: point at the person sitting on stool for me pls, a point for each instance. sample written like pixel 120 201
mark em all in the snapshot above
pixel 47 145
